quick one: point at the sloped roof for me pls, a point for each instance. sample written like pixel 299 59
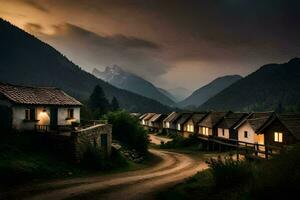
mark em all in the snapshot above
pixel 256 120
pixel 212 119
pixel 292 123
pixel 184 117
pixel 148 116
pixel 143 116
pixel 154 117
pixel 160 118
pixel 197 117
pixel 231 119
pixel 37 95
pixel 170 117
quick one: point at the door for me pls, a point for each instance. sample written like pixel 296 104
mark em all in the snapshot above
pixel 53 118
pixel 5 118
pixel 104 142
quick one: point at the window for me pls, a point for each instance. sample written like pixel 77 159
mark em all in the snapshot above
pixel 245 134
pixel 178 127
pixel 70 113
pixel 30 114
pixel 190 128
pixel 167 125
pixel 205 131
pixel 223 132
pixel 278 137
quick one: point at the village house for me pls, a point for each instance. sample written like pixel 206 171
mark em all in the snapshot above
pixel 171 122
pixel 208 123
pixel 191 125
pixel 156 122
pixel 225 127
pixel 166 121
pixel 282 129
pixel 54 115
pixel 248 130
pixel 181 121
pixel 141 118
pixel 146 119
pixel 28 108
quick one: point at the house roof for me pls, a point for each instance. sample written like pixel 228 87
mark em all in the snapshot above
pixel 143 116
pixel 160 118
pixel 154 117
pixel 197 117
pixel 148 116
pixel 256 120
pixel 231 119
pixel 184 118
pixel 290 121
pixel 212 119
pixel 175 118
pixel 170 117
pixel 37 95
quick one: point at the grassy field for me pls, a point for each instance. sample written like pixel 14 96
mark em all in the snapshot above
pixel 227 179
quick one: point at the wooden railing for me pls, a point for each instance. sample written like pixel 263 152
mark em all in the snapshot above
pixel 53 128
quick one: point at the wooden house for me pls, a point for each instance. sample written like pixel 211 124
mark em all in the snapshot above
pixel 171 122
pixel 181 121
pixel 168 119
pixel 31 108
pixel 225 127
pixel 146 119
pixel 282 129
pixel 156 122
pixel 248 130
pixel 191 125
pixel 207 126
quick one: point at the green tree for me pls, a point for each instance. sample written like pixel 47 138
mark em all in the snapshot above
pixel 128 131
pixel 98 103
pixel 114 104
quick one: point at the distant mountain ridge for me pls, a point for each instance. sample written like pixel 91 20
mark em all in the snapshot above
pixel 120 78
pixel 179 93
pixel 25 60
pixel 204 93
pixel 271 87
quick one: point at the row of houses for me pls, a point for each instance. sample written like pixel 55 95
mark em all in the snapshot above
pixel 263 128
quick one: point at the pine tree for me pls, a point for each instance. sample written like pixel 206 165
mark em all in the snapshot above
pixel 115 104
pixel 98 103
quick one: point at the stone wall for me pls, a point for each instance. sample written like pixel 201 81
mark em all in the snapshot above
pixel 98 136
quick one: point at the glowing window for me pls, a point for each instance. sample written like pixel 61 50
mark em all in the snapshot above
pixel 178 127
pixel 71 113
pixel 278 137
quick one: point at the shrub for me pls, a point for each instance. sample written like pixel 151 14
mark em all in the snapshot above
pixel 128 131
pixel 179 142
pixel 230 173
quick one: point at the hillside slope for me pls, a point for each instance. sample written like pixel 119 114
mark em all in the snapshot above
pixel 26 60
pixel 206 92
pixel 270 87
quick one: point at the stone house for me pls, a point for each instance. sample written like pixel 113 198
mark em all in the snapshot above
pixel 28 108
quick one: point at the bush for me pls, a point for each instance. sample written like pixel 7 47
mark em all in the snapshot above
pixel 230 173
pixel 128 131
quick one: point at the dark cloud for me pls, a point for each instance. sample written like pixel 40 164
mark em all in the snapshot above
pixel 90 50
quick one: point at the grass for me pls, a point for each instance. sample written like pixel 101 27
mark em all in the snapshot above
pixel 227 179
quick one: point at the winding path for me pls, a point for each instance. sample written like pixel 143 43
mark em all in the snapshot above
pixel 140 184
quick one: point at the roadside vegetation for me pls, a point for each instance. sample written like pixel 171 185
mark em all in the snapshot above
pixel 181 142
pixel 233 180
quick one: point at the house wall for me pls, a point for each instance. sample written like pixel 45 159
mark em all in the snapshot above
pixel 220 133
pixel 252 136
pixel 201 131
pixel 277 126
pixel 18 116
pixel 63 114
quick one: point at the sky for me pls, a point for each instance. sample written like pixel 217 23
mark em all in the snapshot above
pixel 172 43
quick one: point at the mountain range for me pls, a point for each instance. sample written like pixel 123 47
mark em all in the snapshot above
pixel 179 93
pixel 204 93
pixel 271 87
pixel 120 78
pixel 26 60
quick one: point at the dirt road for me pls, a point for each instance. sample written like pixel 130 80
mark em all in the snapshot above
pixel 140 184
